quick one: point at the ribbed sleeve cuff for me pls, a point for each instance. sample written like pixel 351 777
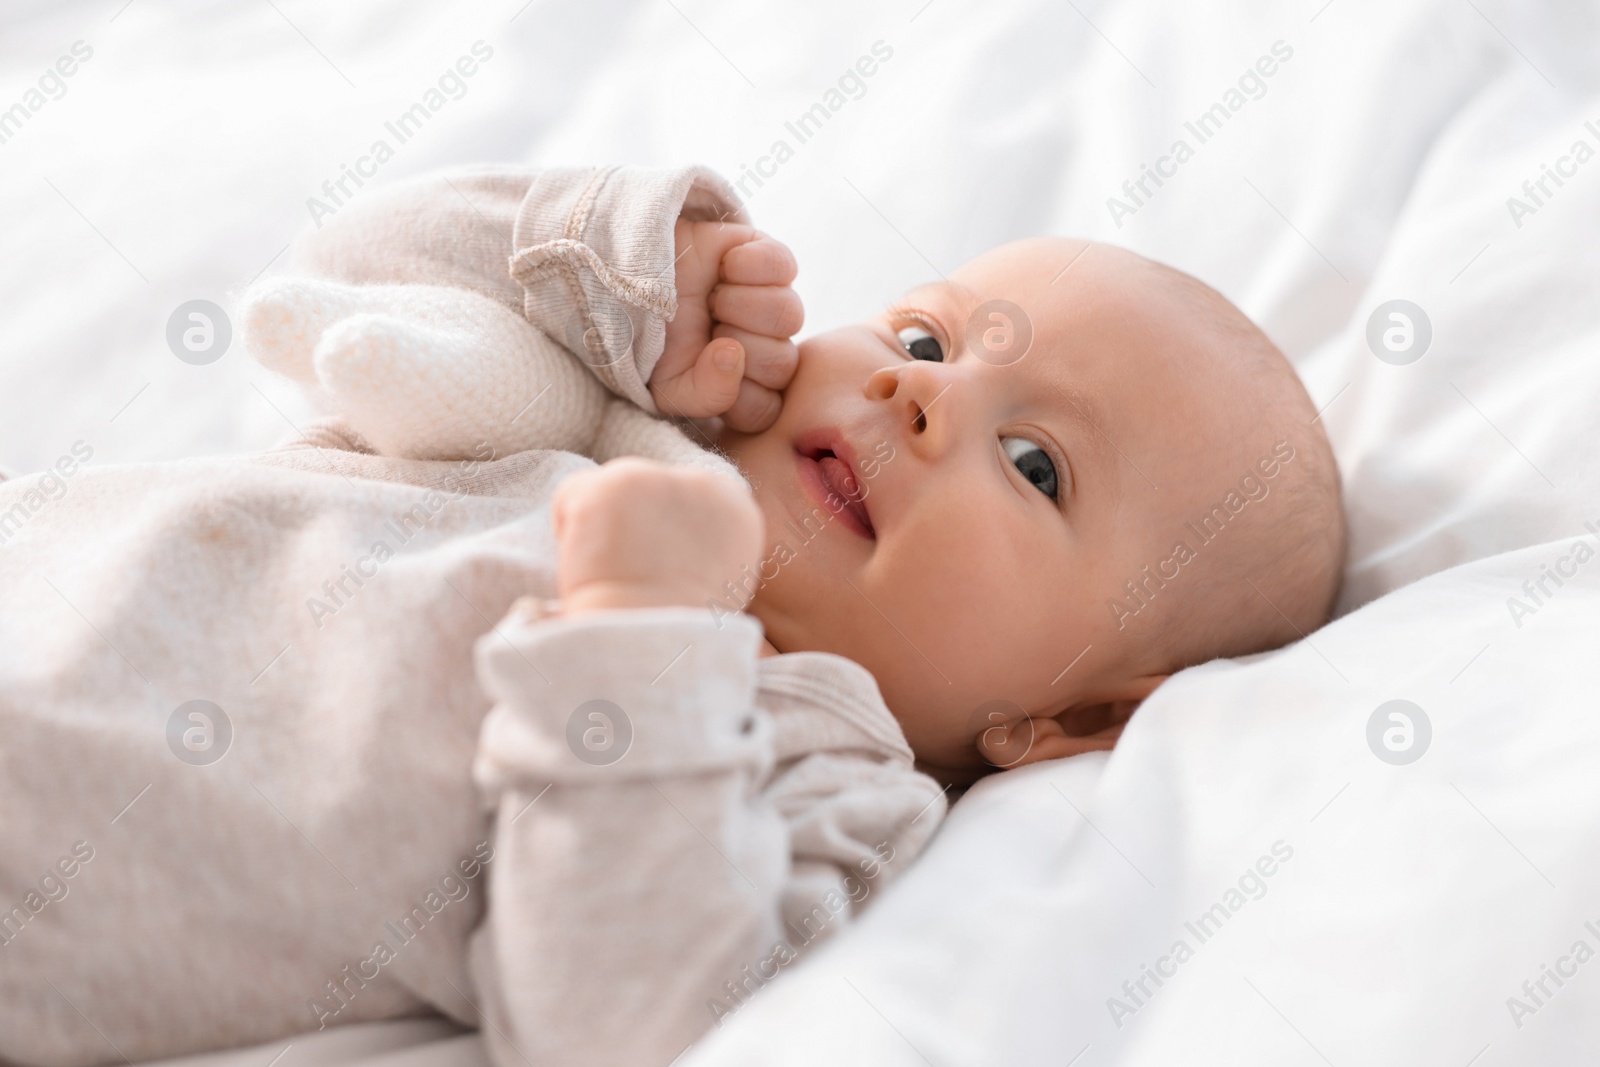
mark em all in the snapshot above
pixel 594 255
pixel 614 695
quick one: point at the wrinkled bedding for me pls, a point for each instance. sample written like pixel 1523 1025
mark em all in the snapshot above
pixel 1335 904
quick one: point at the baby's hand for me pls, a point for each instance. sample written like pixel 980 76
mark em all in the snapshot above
pixel 728 350
pixel 635 533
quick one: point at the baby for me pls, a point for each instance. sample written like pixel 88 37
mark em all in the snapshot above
pixel 255 775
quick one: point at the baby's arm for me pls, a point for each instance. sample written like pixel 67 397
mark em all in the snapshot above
pixel 641 870
pixel 403 316
pixel 632 267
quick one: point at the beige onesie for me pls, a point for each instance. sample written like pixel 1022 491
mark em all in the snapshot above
pixel 286 744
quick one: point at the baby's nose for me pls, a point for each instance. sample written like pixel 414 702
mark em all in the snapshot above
pixel 912 390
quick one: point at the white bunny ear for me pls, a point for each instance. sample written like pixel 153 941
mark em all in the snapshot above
pixel 282 319
pixel 429 372
pixel 424 371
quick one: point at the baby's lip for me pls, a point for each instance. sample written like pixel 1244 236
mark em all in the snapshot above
pixel 824 479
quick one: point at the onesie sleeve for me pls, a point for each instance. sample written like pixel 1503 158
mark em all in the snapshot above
pixel 449 228
pixel 645 880
pixel 595 258
pixel 856 809
pixel 585 254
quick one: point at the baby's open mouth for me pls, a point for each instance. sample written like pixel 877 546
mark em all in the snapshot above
pixel 828 476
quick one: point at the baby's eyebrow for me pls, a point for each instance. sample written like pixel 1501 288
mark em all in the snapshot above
pixel 1082 410
pixel 972 297
pixel 946 285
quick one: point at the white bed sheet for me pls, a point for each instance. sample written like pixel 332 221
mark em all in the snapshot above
pixel 1375 165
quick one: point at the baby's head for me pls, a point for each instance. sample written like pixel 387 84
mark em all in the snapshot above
pixel 1080 471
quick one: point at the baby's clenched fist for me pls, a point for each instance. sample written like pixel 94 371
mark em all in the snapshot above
pixel 729 349
pixel 635 533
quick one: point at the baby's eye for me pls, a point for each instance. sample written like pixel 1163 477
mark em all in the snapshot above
pixel 1034 463
pixel 921 344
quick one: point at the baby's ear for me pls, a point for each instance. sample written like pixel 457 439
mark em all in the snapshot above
pixel 1089 728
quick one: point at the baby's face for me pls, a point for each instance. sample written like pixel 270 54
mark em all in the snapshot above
pixel 1008 495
